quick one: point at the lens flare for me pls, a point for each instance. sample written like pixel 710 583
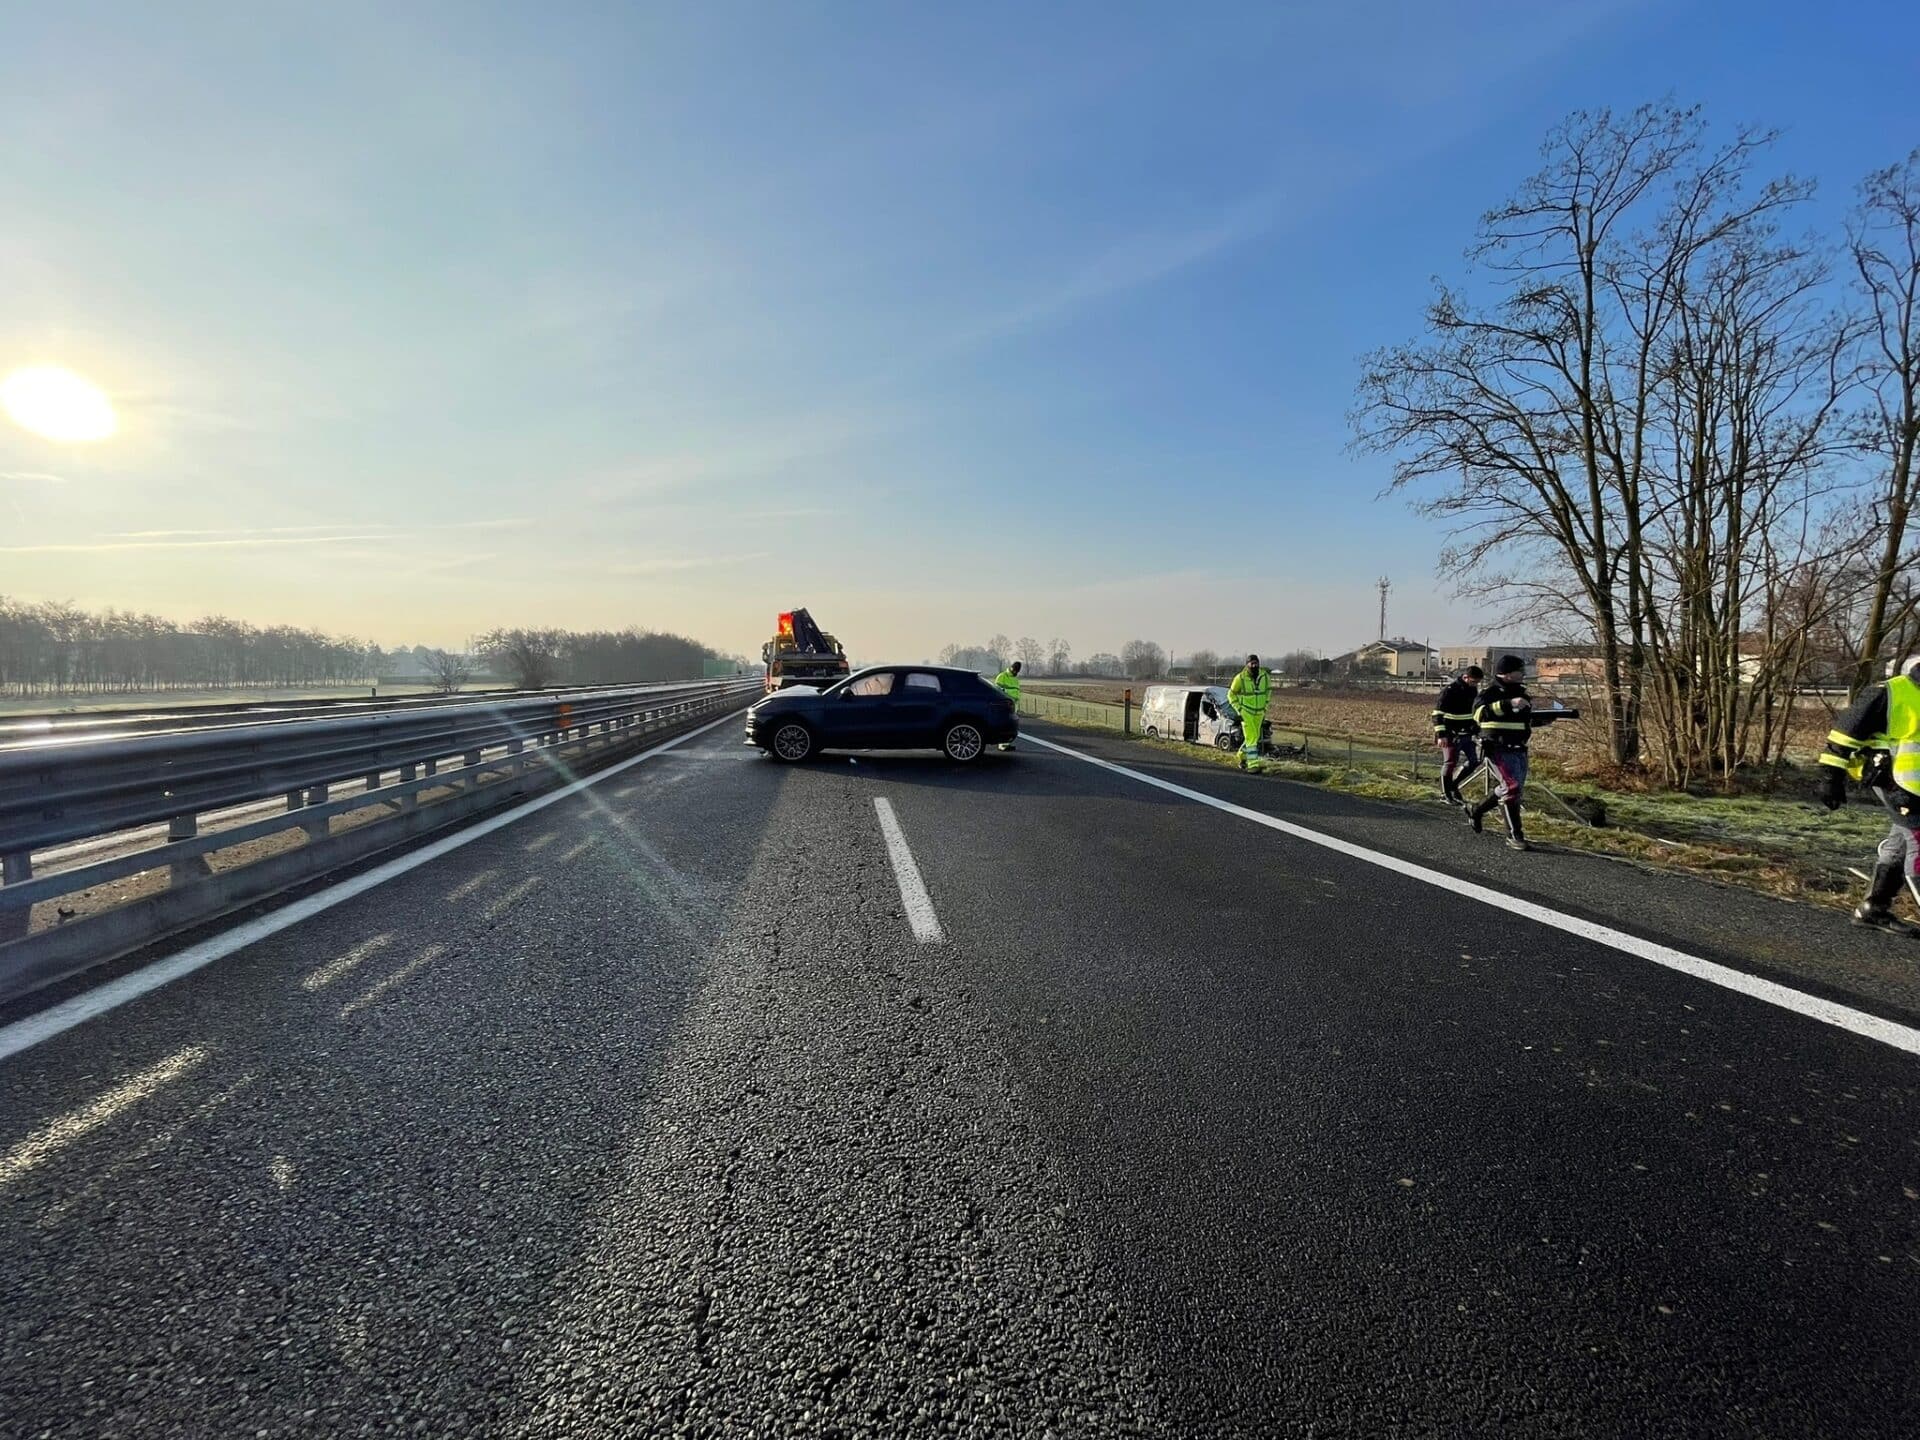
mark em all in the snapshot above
pixel 58 405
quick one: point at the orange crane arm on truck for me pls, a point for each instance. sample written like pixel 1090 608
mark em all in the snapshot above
pixel 801 653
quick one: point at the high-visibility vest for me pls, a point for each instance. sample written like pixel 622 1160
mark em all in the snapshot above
pixel 1903 730
pixel 1249 694
pixel 1009 684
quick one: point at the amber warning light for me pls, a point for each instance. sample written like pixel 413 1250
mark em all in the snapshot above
pixel 786 624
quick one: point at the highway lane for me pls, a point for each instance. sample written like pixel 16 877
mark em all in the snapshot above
pixel 1387 1161
pixel 651 1113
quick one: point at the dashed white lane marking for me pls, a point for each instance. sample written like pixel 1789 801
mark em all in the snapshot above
pixel 24 1034
pixel 1828 1012
pixel 97 1112
pixel 913 890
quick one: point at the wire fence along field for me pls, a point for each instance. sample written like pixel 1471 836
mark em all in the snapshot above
pixel 1310 743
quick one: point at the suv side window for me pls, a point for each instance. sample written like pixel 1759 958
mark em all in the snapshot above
pixel 923 682
pixel 871 685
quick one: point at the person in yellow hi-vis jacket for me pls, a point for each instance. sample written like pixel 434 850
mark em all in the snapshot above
pixel 1877 742
pixel 1249 693
pixel 1008 681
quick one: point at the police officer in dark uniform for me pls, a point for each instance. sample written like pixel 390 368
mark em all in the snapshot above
pixel 1455 733
pixel 1503 711
pixel 1877 743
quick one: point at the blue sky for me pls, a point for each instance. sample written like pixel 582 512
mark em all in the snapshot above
pixel 944 320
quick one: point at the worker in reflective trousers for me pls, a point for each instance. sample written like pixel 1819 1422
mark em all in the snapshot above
pixel 1009 682
pixel 1455 733
pixel 1248 693
pixel 1503 711
pixel 1877 742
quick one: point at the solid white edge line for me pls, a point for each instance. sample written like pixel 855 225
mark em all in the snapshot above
pixel 913 890
pixel 1829 1012
pixel 25 1034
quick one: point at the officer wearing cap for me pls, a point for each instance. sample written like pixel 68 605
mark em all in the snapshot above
pixel 1503 712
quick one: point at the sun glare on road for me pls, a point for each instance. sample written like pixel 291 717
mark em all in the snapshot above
pixel 57 404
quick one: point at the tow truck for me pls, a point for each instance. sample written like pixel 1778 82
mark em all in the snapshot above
pixel 801 653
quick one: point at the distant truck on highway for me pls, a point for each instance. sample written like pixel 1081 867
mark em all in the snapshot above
pixel 801 653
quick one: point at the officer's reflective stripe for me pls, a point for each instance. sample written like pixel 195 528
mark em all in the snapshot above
pixel 1903 729
pixel 1840 740
pixel 1852 767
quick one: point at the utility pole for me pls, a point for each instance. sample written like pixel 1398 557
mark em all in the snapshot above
pixel 1383 585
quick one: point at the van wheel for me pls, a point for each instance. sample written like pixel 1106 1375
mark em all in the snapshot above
pixel 792 742
pixel 1151 733
pixel 1224 741
pixel 963 742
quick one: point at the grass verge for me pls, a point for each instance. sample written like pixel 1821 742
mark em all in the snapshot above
pixel 1784 848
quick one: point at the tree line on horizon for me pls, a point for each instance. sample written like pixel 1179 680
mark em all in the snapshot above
pixel 1661 416
pixel 52 648
pixel 1137 660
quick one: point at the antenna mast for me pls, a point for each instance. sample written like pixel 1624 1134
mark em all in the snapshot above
pixel 1383 585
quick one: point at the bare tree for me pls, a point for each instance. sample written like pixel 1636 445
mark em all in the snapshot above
pixel 1541 414
pixel 531 657
pixel 1883 244
pixel 1202 663
pixel 1059 656
pixel 1142 660
pixel 1030 654
pixel 449 672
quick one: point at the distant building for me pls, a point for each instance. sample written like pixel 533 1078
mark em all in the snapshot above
pixel 1404 659
pixel 1543 662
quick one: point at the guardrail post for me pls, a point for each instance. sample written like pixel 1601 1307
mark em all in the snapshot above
pixel 193 867
pixel 411 799
pixel 1126 711
pixel 317 829
pixel 296 799
pixel 14 869
pixel 470 759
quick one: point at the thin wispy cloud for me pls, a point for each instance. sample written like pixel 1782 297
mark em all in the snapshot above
pixel 679 563
pixel 1133 263
pixel 460 562
pixel 377 529
pixel 250 542
pixel 778 444
pixel 33 477
pixel 240 532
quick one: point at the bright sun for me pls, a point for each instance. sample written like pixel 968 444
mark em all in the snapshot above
pixel 57 404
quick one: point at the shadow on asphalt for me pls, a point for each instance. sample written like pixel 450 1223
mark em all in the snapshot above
pixel 1028 772
pixel 374 1137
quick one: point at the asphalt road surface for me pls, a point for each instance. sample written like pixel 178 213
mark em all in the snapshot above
pixel 695 1104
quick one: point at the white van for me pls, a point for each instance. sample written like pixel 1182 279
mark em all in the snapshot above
pixel 1198 714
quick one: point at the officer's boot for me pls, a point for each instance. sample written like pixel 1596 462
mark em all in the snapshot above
pixel 1876 911
pixel 1449 791
pixel 1477 813
pixel 1516 828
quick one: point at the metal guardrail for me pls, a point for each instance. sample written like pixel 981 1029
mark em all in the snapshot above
pixel 65 725
pixel 88 788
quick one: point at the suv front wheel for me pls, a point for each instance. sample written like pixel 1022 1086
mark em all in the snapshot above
pixel 791 743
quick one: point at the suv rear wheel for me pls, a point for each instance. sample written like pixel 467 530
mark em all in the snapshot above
pixel 963 741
